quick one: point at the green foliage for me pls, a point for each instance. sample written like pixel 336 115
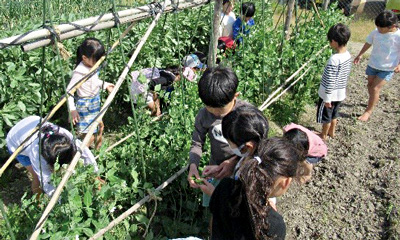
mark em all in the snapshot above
pixel 157 149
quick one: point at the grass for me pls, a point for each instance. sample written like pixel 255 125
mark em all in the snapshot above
pixel 360 29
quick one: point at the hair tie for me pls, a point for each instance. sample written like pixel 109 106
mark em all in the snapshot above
pixel 49 133
pixel 258 159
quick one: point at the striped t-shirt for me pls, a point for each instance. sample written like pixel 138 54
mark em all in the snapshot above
pixel 334 79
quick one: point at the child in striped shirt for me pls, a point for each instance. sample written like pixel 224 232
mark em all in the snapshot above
pixel 332 90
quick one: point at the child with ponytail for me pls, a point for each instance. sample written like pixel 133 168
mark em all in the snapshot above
pixel 240 208
pixel 86 106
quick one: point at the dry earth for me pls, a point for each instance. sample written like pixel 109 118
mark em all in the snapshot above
pixel 354 193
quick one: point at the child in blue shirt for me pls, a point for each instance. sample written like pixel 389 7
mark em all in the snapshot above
pixel 240 27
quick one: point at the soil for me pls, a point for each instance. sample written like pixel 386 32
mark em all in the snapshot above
pixel 354 192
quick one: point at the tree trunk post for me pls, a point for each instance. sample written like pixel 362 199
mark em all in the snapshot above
pixel 212 52
pixel 289 18
pixel 326 4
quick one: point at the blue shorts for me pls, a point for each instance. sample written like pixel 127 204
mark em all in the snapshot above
pixel 385 75
pixel 24 160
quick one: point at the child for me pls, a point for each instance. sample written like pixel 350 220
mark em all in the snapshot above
pixel 243 128
pixel 310 144
pixel 332 90
pixel 193 63
pixel 239 27
pixel 240 208
pixel 147 86
pixel 227 19
pixel 87 105
pixel 56 146
pixel 384 59
pixel 217 90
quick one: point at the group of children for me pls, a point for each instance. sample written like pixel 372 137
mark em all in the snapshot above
pixel 247 170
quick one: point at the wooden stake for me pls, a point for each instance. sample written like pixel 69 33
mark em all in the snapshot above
pixel 262 107
pixel 289 15
pixel 316 10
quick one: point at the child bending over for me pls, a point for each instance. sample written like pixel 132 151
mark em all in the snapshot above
pixel 86 106
pixel 332 90
pixel 384 59
pixel 310 144
pixel 56 145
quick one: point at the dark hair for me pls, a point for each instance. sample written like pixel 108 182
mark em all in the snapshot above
pixel 245 123
pixel 340 33
pixel 248 9
pixel 278 158
pixel 57 146
pixel 299 139
pixel 217 86
pixel 386 18
pixel 202 57
pixel 91 48
pixel 226 1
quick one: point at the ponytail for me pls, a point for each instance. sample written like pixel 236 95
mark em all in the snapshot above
pixel 278 158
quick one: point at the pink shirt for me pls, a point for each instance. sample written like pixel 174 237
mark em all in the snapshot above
pixel 317 147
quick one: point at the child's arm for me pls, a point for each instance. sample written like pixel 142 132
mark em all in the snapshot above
pixel 110 87
pixel 363 50
pixel 71 101
pixel 196 150
pixel 227 167
pixel 397 69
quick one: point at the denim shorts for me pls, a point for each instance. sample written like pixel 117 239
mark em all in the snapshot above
pixel 24 160
pixel 385 75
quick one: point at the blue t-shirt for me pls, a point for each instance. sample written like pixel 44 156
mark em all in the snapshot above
pixel 239 27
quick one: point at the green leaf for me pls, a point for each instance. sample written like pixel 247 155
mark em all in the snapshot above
pixel 88 232
pixel 87 198
pixel 157 88
pixel 21 106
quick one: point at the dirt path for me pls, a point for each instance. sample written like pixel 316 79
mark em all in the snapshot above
pixel 354 193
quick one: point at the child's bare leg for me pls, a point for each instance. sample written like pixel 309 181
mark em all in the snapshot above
pixel 332 128
pixel 325 129
pixel 35 180
pixel 375 85
pixel 99 136
pixel 307 172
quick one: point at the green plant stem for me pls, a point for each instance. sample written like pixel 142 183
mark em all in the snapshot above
pixel 3 212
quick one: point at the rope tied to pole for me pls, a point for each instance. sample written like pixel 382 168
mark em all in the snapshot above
pixel 152 197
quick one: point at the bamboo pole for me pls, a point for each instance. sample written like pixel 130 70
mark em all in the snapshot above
pixel 129 15
pixel 291 77
pixel 92 127
pixel 63 100
pixel 284 91
pixel 127 137
pixel 316 10
pixel 135 207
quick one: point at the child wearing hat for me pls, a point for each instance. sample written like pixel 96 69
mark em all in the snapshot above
pixel 312 146
pixel 193 63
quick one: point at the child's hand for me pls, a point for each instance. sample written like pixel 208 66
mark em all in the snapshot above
pixel 328 105
pixel 211 170
pixel 74 116
pixel 207 187
pixel 357 59
pixel 193 172
pixel 227 168
pixel 110 88
pixel 397 69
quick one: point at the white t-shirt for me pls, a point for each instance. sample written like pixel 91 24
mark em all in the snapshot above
pixel 90 88
pixel 20 132
pixel 385 54
pixel 225 28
